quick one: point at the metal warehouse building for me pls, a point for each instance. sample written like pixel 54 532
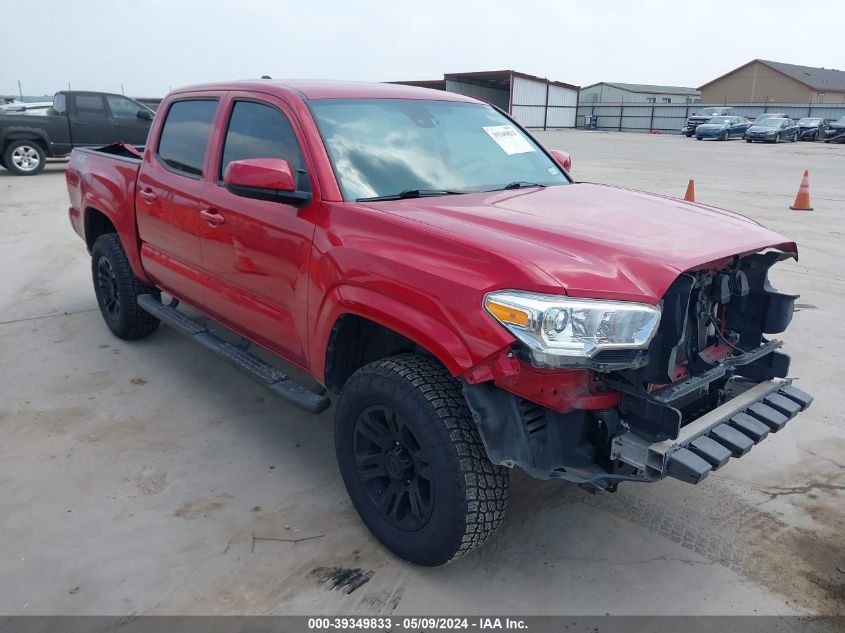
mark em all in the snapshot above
pixel 614 92
pixel 535 102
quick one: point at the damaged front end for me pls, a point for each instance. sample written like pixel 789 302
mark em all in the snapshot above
pixel 707 386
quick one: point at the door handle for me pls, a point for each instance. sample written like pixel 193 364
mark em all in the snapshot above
pixel 212 217
pixel 148 195
pixel 78 122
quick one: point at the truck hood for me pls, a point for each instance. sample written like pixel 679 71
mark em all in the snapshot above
pixel 592 240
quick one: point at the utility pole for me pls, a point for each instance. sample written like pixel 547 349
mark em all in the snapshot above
pixel 20 92
pixel 121 90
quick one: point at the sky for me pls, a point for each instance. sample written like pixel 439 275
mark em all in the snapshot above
pixel 151 46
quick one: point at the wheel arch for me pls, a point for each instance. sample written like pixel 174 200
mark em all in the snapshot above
pixel 97 223
pixel 12 134
pixel 100 218
pixel 361 326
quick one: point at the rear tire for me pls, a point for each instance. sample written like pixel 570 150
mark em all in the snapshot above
pixel 24 158
pixel 413 463
pixel 117 290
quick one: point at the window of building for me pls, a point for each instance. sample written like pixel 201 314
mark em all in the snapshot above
pixel 666 99
pixel 651 99
pixel 257 130
pixel 184 137
pixel 820 98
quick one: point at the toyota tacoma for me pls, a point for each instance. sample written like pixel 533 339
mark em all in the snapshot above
pixel 469 305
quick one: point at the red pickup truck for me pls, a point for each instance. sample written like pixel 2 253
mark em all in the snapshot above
pixel 472 307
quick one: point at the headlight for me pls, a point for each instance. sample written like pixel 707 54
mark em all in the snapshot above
pixel 562 331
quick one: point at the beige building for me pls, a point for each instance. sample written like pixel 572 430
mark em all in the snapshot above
pixel 762 81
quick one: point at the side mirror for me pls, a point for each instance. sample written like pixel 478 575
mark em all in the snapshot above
pixel 563 159
pixel 264 179
pixel 145 115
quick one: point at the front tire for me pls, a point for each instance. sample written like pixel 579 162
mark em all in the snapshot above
pixel 413 463
pixel 24 158
pixel 725 136
pixel 117 290
pixel 777 138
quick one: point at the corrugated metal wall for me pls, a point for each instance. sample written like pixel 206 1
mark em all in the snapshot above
pixel 603 93
pixel 562 103
pixel 539 104
pixel 666 117
pixel 499 98
pixel 528 104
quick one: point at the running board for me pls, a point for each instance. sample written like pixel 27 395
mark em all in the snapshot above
pixel 251 365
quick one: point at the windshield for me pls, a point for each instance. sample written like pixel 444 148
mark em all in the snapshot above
pixel 383 147
pixel 720 120
pixel 710 111
pixel 807 121
pixel 771 122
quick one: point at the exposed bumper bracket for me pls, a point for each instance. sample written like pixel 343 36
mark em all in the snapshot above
pixel 706 443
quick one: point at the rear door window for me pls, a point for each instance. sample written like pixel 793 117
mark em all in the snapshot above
pixel 184 135
pixel 90 106
pixel 258 130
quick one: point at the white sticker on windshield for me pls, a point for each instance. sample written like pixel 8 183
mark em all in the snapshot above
pixel 509 139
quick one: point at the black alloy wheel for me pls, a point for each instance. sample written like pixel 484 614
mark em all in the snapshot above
pixel 107 285
pixel 117 290
pixel 394 468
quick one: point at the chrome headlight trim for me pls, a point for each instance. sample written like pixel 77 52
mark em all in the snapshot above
pixel 562 331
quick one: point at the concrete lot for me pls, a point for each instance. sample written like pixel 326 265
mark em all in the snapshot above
pixel 143 478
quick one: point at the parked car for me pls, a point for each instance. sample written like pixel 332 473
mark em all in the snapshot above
pixel 836 131
pixel 703 116
pixel 722 127
pixel 772 130
pixel 770 115
pixel 812 128
pixel 471 306
pixel 75 119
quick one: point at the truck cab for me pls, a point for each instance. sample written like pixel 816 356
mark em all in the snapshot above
pixel 471 307
pixel 76 119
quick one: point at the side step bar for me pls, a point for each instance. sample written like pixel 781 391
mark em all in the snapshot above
pixel 251 365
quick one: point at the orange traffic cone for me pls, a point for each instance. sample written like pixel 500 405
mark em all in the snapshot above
pixel 802 200
pixel 689 196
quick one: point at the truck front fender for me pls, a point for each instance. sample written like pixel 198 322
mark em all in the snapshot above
pixel 428 329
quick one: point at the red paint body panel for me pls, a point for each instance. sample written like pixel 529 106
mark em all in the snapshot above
pixel 561 391
pixel 282 276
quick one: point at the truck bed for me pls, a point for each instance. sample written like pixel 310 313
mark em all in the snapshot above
pixel 103 178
